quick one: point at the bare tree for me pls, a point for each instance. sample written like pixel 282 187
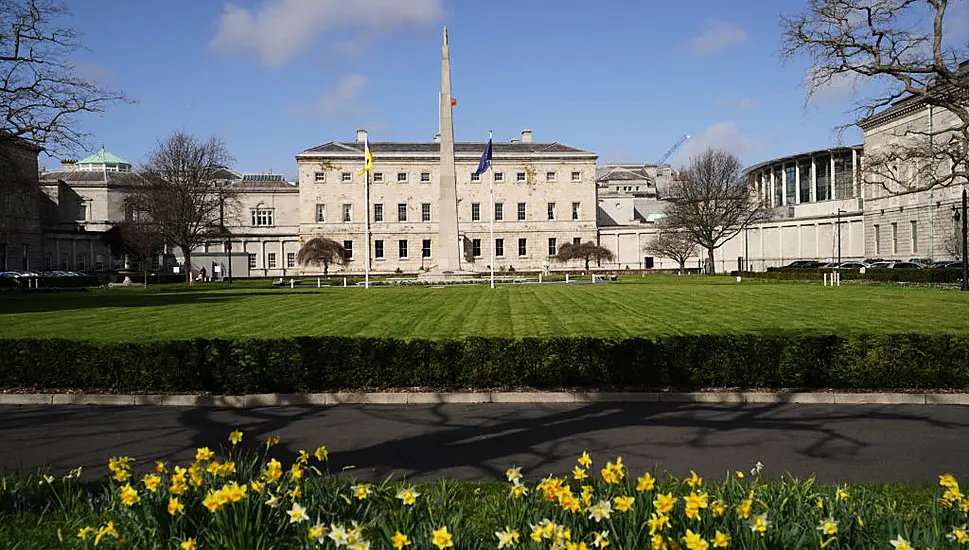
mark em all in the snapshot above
pixel 322 252
pixel 674 244
pixel 40 93
pixel 712 201
pixel 586 252
pixel 184 191
pixel 899 49
pixel 952 241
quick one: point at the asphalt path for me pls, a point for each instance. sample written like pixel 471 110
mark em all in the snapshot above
pixel 852 443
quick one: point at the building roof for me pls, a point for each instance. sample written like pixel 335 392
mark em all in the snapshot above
pixel 807 154
pixel 103 157
pixel 92 177
pixel 352 149
pixel 622 173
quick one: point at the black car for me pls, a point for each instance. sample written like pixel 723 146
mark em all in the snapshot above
pixel 802 264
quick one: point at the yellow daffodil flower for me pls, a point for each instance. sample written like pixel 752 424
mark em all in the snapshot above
pixel 694 541
pixel 508 537
pixel 656 542
pixel 361 491
pixel 85 532
pixel 664 503
pixel 600 511
pixel 645 483
pixel 513 474
pixel 948 481
pixel 578 473
pixel 600 540
pixel 129 495
pixel 442 539
pixel 958 534
pixel 828 526
pixel 719 508
pixel 408 496
pixel 159 466
pixel 297 513
pixel 585 460
pixel 321 453
pixel 175 507
pixel 900 544
pixel 203 453
pixel 189 544
pixel 272 440
pixel 235 437
pixel 657 522
pixel 759 524
pixel 721 540
pixel 694 481
pixel 399 540
pixel 624 504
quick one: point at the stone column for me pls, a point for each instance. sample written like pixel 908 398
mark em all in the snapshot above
pixel 797 182
pixel 772 183
pixel 831 177
pixel 854 173
pixel 814 180
pixel 450 253
pixel 783 185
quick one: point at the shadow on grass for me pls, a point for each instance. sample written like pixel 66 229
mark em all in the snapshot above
pixel 64 301
pixel 862 444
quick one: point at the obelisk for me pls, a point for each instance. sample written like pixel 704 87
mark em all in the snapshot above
pixel 450 253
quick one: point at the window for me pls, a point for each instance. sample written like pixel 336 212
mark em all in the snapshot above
pixel 47 259
pixel 575 210
pixel 98 262
pixel 348 246
pixel 82 213
pixel 319 177
pixel 252 261
pixel 550 176
pixel 499 211
pixel 82 262
pixel 476 248
pixel 551 246
pixel 522 250
pixel 521 211
pixel 476 211
pixel 402 248
pixel 878 240
pixel 272 260
pixel 520 176
pixel 576 240
pixel 378 249
pixel 425 211
pixel 290 259
pixel 346 176
pixel 915 236
pixel 499 247
pixel 576 175
pixel 475 176
pixel 65 261
pixel 347 212
pixel 425 177
pixel 402 177
pixel 155 263
pixel 402 212
pixel 894 238
pixel 262 217
pixel 551 210
pixel 499 177
pixel 378 212
pixel 378 177
pixel 426 248
pixel 320 213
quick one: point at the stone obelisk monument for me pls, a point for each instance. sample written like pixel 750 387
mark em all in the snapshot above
pixel 450 250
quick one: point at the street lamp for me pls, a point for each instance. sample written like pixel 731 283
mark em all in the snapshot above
pixel 957 215
pixel 228 249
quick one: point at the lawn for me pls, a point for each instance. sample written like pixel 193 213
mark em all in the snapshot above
pixel 652 306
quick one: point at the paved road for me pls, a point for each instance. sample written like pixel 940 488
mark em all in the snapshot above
pixel 477 442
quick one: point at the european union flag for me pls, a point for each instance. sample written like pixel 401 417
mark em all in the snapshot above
pixel 485 159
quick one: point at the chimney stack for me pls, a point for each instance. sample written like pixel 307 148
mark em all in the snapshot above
pixel 68 165
pixel 437 137
pixel 361 135
pixel 526 135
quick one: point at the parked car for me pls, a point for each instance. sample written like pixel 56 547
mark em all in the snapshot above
pixel 827 265
pixel 852 265
pixel 895 265
pixel 802 264
pixel 921 261
pixel 872 261
pixel 881 265
pixel 945 264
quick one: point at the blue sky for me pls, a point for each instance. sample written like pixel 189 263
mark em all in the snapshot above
pixel 624 79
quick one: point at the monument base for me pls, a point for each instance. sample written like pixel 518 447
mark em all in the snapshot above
pixel 446 277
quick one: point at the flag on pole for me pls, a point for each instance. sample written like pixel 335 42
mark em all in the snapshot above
pixel 485 158
pixel 368 155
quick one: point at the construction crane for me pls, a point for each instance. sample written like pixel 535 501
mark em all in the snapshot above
pixel 673 149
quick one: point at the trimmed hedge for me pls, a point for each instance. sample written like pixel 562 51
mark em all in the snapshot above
pixel 313 364
pixel 887 275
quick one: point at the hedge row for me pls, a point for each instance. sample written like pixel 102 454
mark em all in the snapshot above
pixel 889 275
pixel 313 364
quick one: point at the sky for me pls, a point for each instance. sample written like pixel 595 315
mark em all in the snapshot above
pixel 624 79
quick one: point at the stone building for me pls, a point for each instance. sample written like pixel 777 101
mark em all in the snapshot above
pixel 545 195
pixel 20 204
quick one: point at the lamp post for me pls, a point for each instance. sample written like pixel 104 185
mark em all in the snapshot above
pixel 228 249
pixel 958 215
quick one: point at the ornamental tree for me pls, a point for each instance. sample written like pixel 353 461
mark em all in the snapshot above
pixel 674 244
pixel 586 252
pixel 323 252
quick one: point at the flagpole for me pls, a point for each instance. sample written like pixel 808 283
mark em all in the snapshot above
pixel 492 193
pixel 366 267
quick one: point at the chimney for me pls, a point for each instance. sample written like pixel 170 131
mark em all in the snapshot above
pixel 361 135
pixel 437 137
pixel 515 140
pixel 526 135
pixel 68 165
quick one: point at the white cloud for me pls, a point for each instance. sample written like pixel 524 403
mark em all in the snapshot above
pixel 724 136
pixel 840 86
pixel 343 101
pixel 278 30
pixel 717 35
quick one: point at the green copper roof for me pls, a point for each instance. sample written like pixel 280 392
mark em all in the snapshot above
pixel 102 157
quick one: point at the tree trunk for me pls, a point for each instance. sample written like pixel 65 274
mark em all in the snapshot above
pixel 587 265
pixel 682 266
pixel 187 254
pixel 711 269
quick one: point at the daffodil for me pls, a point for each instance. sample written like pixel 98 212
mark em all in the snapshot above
pixel 441 538
pixel 175 506
pixel 213 501
pixel 600 511
pixel 295 493
pixel 514 474
pixel 295 472
pixel 519 491
pixel 399 540
pixel 85 532
pixel 601 540
pixel 694 541
pixel 579 473
pixel 657 522
pixel 624 504
pixel 719 508
pixel 694 481
pixel 645 483
pixel 958 534
pixel 297 513
pixel 740 475
pixel 188 544
pixel 152 482
pixel 720 540
pixel 272 501
pixel 828 526
pixel 361 491
pixel 842 494
pixel 576 546
pixel 129 495
pixel 508 537
pixel 408 496
pixel 159 466
pixel 759 524
pixel 745 507
pixel 656 542
pixel 272 440
pixel 257 486
pixel 274 470
pixel 338 534
pixel 694 502
pixel 948 481
pixel 664 503
pixel 303 458
pixel 321 453
pixel 235 437
pixel 900 544
pixel 107 530
pixel 204 453
pixel 317 532
pixel 585 460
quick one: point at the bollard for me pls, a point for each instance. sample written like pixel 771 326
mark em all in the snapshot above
pixel 839 278
pixel 825 283
pixel 593 278
pixel 566 278
pixel 292 283
pixel 317 282
pixel 344 282
pixel 539 277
